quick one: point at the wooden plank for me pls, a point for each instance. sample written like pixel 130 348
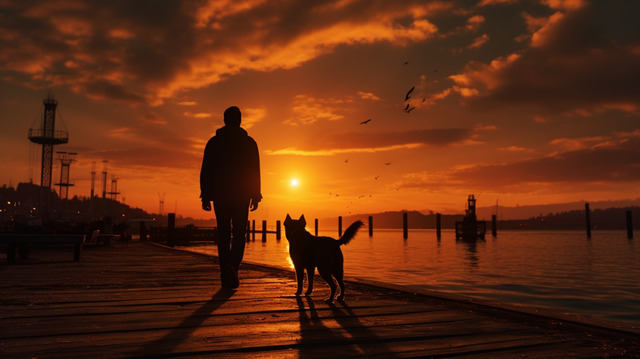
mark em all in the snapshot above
pixel 145 301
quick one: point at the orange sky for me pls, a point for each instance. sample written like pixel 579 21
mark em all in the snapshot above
pixel 528 102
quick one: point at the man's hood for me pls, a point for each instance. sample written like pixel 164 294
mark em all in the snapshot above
pixel 231 131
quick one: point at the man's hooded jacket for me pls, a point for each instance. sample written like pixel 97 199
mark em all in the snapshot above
pixel 230 167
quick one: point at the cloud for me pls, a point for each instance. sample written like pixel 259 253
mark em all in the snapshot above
pixel 581 58
pixel 153 118
pixel 479 41
pixel 516 149
pixel 145 52
pixel 368 96
pixel 339 151
pixel 590 161
pixel 307 110
pixel 338 143
pixel 197 114
pixel 474 22
pixel 251 116
pixel 496 2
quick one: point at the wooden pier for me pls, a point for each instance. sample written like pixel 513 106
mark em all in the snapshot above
pixel 147 301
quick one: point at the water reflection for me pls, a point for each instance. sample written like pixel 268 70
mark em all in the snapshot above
pixel 471 247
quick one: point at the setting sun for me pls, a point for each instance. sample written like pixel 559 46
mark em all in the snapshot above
pixel 294 182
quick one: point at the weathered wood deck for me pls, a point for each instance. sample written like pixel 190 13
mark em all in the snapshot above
pixel 152 302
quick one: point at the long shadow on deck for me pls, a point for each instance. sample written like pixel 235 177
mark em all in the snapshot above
pixel 315 336
pixel 183 330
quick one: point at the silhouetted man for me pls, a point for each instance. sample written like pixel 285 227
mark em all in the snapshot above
pixel 230 177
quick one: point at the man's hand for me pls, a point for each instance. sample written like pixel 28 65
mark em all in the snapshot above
pixel 253 206
pixel 206 205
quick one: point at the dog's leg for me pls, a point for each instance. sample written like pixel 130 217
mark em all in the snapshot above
pixel 338 274
pixel 310 275
pixel 332 284
pixel 299 279
pixel 342 287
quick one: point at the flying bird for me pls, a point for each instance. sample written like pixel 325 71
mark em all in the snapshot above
pixel 365 122
pixel 406 62
pixel 346 161
pixel 407 109
pixel 408 95
pixel 387 163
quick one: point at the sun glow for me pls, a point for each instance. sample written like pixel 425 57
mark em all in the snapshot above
pixel 294 182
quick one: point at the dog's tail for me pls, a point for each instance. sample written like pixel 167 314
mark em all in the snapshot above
pixel 350 232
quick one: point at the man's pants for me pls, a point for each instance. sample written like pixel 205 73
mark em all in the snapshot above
pixel 228 216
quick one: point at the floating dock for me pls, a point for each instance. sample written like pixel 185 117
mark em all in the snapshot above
pixel 147 301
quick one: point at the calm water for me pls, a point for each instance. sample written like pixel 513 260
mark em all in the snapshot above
pixel 558 270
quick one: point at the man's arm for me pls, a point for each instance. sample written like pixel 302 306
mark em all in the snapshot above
pixel 206 177
pixel 256 196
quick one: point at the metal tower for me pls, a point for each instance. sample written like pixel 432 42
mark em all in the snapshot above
pixel 104 178
pixel 93 178
pixel 114 188
pixel 161 198
pixel 65 165
pixel 47 136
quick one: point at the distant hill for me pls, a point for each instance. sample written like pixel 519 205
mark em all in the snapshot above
pixel 415 220
pixel 524 212
pixel 609 218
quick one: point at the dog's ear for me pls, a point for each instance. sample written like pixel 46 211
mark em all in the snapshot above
pixel 302 220
pixel 288 219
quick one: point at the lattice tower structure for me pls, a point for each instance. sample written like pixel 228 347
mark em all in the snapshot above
pixel 93 178
pixel 66 158
pixel 47 136
pixel 104 178
pixel 114 188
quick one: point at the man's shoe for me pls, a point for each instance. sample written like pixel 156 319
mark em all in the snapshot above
pixel 229 277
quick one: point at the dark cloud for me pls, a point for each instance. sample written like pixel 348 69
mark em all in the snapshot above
pixel 330 143
pixel 137 51
pixel 436 137
pixel 583 59
pixel 612 163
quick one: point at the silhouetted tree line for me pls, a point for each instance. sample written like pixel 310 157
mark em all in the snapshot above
pixel 610 218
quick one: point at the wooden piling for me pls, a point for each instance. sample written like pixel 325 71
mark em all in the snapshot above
pixel 405 230
pixel 629 225
pixel 438 225
pixel 316 225
pixel 264 230
pixel 278 230
pixel 171 226
pixel 253 230
pixel 143 231
pixel 248 234
pixel 340 226
pixel 587 215
pixel 370 226
pixel 494 225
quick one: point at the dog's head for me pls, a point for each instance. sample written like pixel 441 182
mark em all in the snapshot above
pixel 294 227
